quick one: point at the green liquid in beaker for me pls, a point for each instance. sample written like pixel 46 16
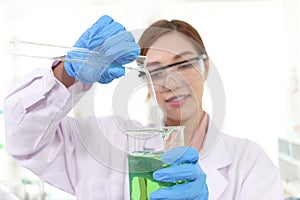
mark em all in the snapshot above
pixel 142 164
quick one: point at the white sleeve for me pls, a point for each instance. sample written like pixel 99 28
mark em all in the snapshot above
pixel 37 129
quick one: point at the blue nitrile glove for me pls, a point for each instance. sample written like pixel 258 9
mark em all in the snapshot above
pixel 184 167
pixel 115 45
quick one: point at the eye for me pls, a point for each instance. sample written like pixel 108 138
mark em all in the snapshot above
pixel 156 75
pixel 185 66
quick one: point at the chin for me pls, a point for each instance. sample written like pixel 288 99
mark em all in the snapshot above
pixel 178 119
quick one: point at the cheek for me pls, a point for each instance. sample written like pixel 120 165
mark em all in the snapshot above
pixel 160 98
pixel 197 90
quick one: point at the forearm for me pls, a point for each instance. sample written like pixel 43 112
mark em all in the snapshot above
pixel 33 111
pixel 61 75
pixel 37 129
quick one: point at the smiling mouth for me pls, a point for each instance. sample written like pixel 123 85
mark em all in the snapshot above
pixel 177 99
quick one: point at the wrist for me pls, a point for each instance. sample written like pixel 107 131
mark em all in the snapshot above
pixel 61 74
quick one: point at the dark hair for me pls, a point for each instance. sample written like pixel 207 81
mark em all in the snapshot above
pixel 161 27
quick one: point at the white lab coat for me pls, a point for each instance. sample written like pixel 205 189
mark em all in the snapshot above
pixel 43 139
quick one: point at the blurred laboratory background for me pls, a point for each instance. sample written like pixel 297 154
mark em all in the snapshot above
pixel 255 45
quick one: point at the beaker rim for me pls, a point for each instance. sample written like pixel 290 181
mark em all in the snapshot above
pixel 154 130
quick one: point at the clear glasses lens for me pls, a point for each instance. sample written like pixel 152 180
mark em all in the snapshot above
pixel 181 73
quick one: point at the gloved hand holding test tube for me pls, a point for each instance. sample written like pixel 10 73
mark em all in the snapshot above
pixel 57 53
pixel 80 56
pixel 100 52
pixel 50 52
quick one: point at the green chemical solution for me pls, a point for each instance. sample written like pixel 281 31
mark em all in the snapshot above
pixel 142 164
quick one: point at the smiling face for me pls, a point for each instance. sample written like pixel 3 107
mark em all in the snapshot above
pixel 182 97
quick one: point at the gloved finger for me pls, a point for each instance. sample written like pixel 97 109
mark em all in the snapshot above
pixel 99 74
pixel 124 36
pixel 176 173
pixel 121 48
pixel 98 37
pixel 124 53
pixel 112 73
pixel 183 154
pixel 89 74
pixel 96 28
pixel 102 22
pixel 195 190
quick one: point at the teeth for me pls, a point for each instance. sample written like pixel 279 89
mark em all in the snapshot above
pixel 177 99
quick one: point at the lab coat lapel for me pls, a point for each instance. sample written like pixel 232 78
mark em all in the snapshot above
pixel 215 158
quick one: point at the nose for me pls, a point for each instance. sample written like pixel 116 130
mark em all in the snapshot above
pixel 173 82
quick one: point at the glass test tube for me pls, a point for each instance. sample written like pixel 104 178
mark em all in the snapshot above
pixel 57 52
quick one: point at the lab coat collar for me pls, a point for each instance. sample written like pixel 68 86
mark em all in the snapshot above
pixel 214 157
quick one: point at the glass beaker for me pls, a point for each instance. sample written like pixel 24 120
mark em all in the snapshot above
pixel 145 149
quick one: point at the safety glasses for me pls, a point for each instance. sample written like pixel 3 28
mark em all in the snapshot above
pixel 183 72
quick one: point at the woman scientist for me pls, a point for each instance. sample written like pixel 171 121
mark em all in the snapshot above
pixel 42 138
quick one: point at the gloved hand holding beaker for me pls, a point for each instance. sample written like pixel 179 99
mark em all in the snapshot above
pixel 114 46
pixel 184 168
